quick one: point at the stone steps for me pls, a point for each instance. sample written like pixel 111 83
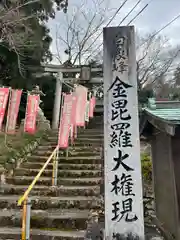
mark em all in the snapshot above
pixel 76 144
pixel 64 166
pixel 19 180
pixel 61 173
pixel 92 129
pixel 62 160
pixel 79 165
pixel 43 190
pixel 73 152
pixel 34 158
pixel 39 234
pixel 46 202
pixel 61 219
pixel 80 140
pixel 83 136
pixel 70 148
pixel 58 213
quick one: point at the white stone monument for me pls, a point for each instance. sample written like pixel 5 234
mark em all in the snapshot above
pixel 123 183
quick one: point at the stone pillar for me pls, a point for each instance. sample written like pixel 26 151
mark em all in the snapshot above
pixel 164 183
pixel 175 154
pixel 57 102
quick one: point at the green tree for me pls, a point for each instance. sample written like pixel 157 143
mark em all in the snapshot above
pixel 143 96
pixel 25 42
pixel 25 38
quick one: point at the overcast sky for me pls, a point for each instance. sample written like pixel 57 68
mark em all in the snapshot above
pixel 155 16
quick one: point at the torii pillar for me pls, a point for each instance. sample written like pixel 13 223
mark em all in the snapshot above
pixel 57 101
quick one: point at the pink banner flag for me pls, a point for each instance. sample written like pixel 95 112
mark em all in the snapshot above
pixel 66 121
pixel 92 106
pixel 81 94
pixel 4 93
pixel 31 113
pixel 13 110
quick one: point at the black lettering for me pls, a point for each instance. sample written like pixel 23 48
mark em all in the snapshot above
pixel 117 236
pixel 120 40
pixel 115 183
pixel 120 126
pixel 120 56
pixel 121 103
pixel 119 65
pixel 127 208
pixel 119 88
pixel 119 161
pixel 115 211
pixel 125 139
pixel 114 139
pixel 126 212
pixel 123 185
pixel 126 185
pixel 120 114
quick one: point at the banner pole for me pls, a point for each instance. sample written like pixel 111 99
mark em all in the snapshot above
pixel 75 131
pixel 7 120
pixel 60 116
pixel 67 153
pixel 26 111
pixel 56 168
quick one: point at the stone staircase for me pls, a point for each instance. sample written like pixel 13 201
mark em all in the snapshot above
pixel 57 212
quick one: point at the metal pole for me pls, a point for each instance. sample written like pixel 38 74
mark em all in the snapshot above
pixel 53 172
pixel 67 153
pixel 75 132
pixel 71 134
pixel 60 115
pixel 23 236
pixel 26 111
pixel 56 168
pixel 28 218
pixel 57 102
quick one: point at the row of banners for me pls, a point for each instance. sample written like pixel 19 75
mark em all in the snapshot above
pixel 76 110
pixel 14 96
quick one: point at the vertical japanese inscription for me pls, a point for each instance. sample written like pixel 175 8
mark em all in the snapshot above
pixel 123 189
pixel 121 137
pixel 120 59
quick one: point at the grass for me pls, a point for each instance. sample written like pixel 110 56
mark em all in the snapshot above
pixel 13 146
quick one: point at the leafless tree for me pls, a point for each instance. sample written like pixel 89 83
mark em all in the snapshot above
pixel 82 31
pixel 155 58
pixel 81 34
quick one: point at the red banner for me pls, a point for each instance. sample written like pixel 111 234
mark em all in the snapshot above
pixel 81 94
pixel 31 113
pixel 4 93
pixel 66 121
pixel 92 104
pixel 13 110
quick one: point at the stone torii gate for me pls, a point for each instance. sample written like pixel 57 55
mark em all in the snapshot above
pixel 88 76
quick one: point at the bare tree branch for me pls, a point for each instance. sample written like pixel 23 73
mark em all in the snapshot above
pixel 154 59
pixel 82 29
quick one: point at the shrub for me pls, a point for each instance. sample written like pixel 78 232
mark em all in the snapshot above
pixel 146 167
pixel 17 146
